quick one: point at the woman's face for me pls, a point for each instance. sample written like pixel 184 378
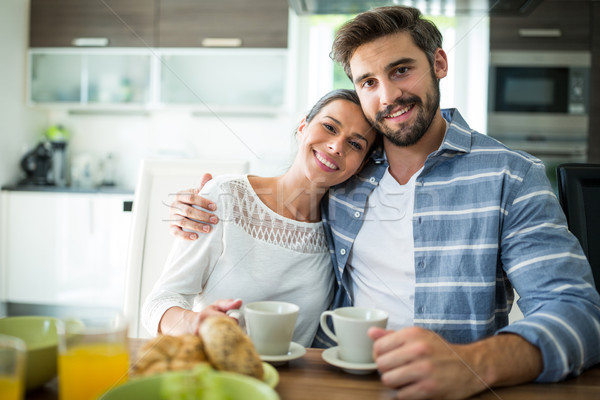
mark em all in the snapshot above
pixel 333 145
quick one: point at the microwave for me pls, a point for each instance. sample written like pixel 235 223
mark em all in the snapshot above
pixel 539 94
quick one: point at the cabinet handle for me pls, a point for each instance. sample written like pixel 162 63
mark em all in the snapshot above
pixel 540 33
pixel 90 42
pixel 222 42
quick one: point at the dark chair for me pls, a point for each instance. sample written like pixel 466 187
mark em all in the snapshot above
pixel 579 196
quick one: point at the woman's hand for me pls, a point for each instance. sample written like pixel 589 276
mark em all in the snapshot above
pixel 178 321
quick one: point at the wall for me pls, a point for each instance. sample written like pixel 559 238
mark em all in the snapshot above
pixel 265 142
pixel 21 126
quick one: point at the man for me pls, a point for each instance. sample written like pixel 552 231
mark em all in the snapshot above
pixel 440 230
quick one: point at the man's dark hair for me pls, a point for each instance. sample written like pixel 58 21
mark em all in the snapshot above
pixel 383 21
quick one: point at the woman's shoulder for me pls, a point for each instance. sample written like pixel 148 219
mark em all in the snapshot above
pixel 224 184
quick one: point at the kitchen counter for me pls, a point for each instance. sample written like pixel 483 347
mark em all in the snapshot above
pixel 68 189
pixel 80 237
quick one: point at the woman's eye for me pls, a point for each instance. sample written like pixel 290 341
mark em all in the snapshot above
pixel 356 145
pixel 330 128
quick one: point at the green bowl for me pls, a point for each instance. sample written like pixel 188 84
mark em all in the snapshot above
pixel 233 387
pixel 39 335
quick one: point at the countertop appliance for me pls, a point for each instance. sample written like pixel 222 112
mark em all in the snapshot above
pixel 37 164
pixel 46 164
pixel 538 102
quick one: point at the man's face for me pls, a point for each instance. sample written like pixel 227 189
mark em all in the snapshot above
pixel 398 89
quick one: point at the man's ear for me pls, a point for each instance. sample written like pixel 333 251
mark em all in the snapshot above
pixel 440 63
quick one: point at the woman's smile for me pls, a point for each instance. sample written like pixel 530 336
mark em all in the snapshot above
pixel 324 162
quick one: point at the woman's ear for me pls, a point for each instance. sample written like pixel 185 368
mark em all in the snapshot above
pixel 301 127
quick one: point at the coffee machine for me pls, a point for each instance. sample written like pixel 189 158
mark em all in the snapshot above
pixel 37 164
pixel 46 164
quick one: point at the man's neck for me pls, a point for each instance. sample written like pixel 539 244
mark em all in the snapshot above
pixel 405 161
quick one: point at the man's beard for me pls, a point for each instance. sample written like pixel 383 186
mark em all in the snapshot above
pixel 408 134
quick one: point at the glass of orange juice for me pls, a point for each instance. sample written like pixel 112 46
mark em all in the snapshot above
pixel 92 355
pixel 12 368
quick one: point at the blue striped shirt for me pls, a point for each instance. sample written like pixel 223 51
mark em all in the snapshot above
pixel 485 221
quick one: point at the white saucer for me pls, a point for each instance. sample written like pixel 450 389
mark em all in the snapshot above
pixel 295 351
pixel 331 357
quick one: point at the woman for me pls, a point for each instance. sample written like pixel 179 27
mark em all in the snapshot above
pixel 270 244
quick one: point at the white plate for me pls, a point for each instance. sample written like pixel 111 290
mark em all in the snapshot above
pixel 331 357
pixel 295 351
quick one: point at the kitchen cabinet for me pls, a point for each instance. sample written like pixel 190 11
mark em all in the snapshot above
pixel 210 78
pixel 166 55
pixel 65 249
pixel 552 25
pixel 115 23
pixel 223 23
pixel 159 23
pixel 96 76
pixel 130 80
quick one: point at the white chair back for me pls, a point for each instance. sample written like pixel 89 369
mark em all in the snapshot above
pixel 150 240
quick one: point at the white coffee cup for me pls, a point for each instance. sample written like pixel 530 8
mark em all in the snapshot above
pixel 351 325
pixel 270 325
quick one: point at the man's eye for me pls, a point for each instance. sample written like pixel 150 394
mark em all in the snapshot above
pixel 368 83
pixel 401 70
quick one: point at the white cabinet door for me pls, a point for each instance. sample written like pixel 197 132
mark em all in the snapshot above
pixel 66 248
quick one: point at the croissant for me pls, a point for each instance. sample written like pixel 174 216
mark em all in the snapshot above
pixel 222 344
pixel 228 348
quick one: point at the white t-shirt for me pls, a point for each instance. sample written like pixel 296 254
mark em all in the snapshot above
pixel 253 254
pixel 381 262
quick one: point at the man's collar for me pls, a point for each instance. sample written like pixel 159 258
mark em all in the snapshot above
pixel 458 132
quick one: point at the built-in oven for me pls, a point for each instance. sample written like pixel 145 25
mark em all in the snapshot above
pixel 538 102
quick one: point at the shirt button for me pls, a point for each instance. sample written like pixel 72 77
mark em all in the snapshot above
pixel 421 264
pixel 343 251
pixel 420 310
pixel 356 214
pixel 372 179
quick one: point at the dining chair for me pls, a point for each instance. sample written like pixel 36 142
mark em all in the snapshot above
pixel 150 240
pixel 579 196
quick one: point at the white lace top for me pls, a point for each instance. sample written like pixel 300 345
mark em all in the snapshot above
pixel 253 254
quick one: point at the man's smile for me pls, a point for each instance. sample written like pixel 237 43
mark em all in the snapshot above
pixel 400 112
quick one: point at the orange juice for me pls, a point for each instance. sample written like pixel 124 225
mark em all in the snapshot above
pixel 87 371
pixel 10 388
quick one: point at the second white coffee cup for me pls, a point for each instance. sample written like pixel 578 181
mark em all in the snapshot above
pixel 351 325
pixel 270 325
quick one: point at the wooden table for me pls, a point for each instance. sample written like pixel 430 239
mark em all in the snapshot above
pixel 310 377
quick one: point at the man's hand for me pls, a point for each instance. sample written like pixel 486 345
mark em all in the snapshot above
pixel 421 365
pixel 183 215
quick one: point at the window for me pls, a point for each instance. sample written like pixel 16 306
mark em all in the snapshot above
pixel 466 43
